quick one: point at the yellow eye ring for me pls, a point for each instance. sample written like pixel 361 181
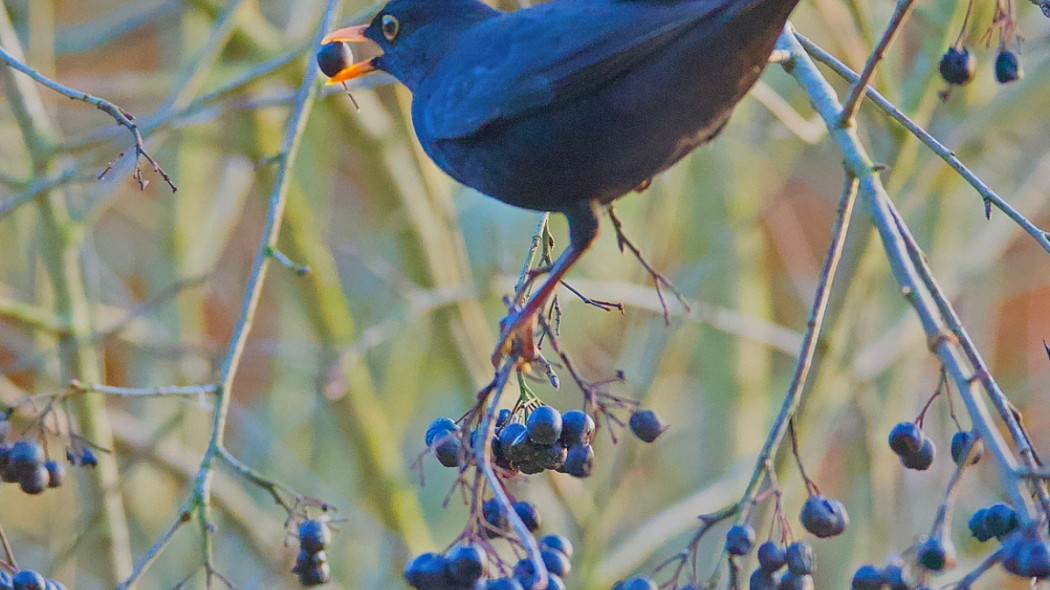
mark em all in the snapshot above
pixel 390 27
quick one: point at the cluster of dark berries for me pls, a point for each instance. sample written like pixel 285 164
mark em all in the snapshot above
pixel 1026 554
pixel 334 57
pixel 86 458
pixel 496 516
pixel 28 580
pixel 824 517
pixel 998 520
pixel 961 441
pixel 311 565
pixel 870 577
pixel 463 568
pixel 772 558
pixel 24 463
pixel 915 449
pixel 958 66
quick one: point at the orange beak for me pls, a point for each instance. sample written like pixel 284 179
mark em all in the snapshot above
pixel 350 35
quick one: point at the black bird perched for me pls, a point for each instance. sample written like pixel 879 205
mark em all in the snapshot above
pixel 570 104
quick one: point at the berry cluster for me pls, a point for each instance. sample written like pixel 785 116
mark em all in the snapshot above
pixel 463 567
pixel 870 577
pixel 1027 555
pixel 24 463
pixel 998 520
pixel 915 449
pixel 311 565
pixel 28 580
pixel 772 558
pixel 958 66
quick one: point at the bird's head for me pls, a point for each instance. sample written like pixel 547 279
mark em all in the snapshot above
pixel 413 35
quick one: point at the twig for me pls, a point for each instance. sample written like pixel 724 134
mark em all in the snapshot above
pixel 658 279
pixel 860 85
pixel 39 187
pixel 165 391
pixel 806 354
pixel 7 548
pixel 122 117
pixel 987 194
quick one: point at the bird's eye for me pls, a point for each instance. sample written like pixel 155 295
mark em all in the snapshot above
pixel 390 27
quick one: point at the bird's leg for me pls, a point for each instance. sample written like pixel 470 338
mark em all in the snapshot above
pixel 658 279
pixel 517 329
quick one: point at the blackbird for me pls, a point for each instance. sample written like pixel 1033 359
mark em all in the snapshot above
pixel 570 104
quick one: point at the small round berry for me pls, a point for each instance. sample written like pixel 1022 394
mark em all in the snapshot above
pixel 1026 555
pixel 771 556
pixel 554 582
pixel 740 539
pixel 306 560
pixel 824 517
pixel 511 440
pixel 25 457
pixel 438 428
pixel 576 428
pixel 793 581
pixel 978 527
pixel 495 516
pixel 923 458
pixel 1008 67
pixel 579 461
pixel 544 425
pixel 639 583
pixel 556 562
pixel 88 458
pixel 449 450
pixel 56 473
pixel 35 482
pixel 958 66
pixel 502 418
pixel 762 579
pixel 28 580
pixel 550 456
pixel 646 425
pixel 557 543
pixel 799 558
pixel 961 441
pixel 503 584
pixel 905 438
pixel 426 571
pixel 314 536
pixel 936 555
pixel 893 576
pixel 1001 520
pixel 867 577
pixel 465 564
pixel 529 515
pixel 334 57
pixel 316 576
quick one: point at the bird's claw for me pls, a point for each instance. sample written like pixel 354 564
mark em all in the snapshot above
pixel 516 337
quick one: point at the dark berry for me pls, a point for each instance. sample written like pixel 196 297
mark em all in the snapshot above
pixel 867 577
pixel 544 425
pixel 762 579
pixel 307 560
pixel 579 461
pixel 557 543
pixel 960 443
pixel 824 517
pixel 529 515
pixel 921 459
pixel 799 558
pixel 315 576
pixel 427 571
pixel 449 450
pixel 25 457
pixel 88 458
pixel 576 428
pixel 646 425
pixel 1000 520
pixel 438 428
pixel 495 516
pixel 978 528
pixel 1026 555
pixel 334 57
pixel 314 536
pixel 502 418
pixel 56 473
pixel 905 438
pixel 554 582
pixel 556 562
pixel 1007 67
pixel 639 583
pixel 936 555
pixel 893 576
pixel 465 564
pixel 6 583
pixel 740 539
pixel 550 456
pixel 793 581
pixel 35 482
pixel 512 438
pixel 28 580
pixel 958 66
pixel 770 556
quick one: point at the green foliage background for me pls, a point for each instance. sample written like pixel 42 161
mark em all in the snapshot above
pixel 394 324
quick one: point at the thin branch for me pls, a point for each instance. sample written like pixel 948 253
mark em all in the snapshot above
pixel 987 194
pixel 39 187
pixel 860 85
pixel 166 391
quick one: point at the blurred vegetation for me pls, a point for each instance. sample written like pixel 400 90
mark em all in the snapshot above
pixel 394 325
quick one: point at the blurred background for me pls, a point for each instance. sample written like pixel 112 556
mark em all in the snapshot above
pixel 347 365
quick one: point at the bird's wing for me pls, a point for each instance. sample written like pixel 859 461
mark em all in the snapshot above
pixel 537 57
